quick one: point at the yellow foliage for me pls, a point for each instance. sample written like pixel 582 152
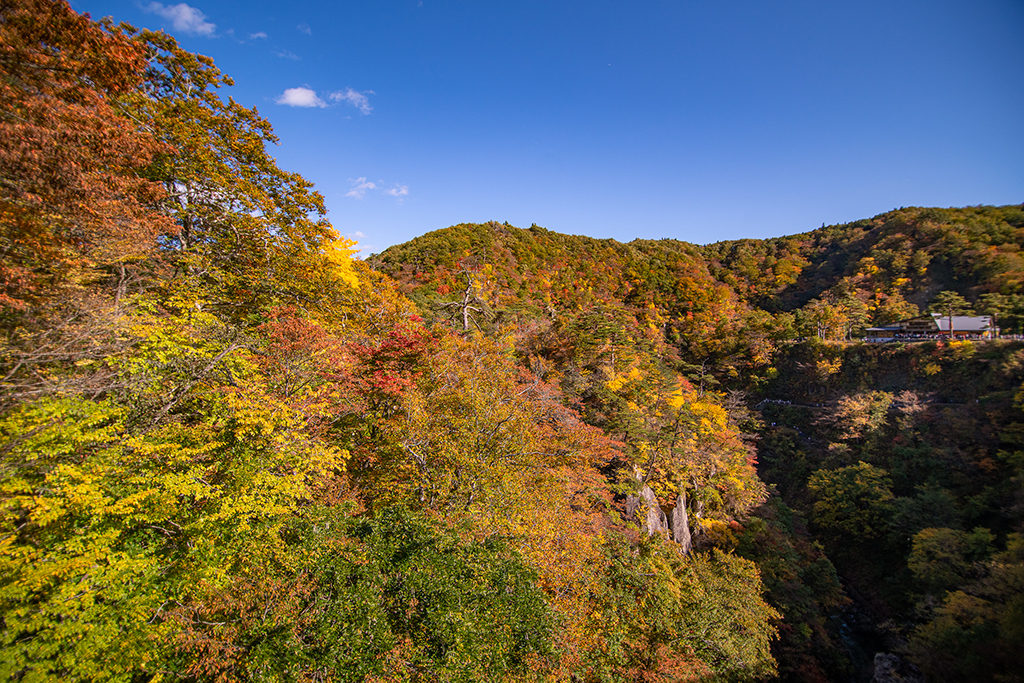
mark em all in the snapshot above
pixel 338 258
pixel 618 381
pixel 961 349
pixel 826 367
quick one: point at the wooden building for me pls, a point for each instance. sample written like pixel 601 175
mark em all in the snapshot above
pixel 935 325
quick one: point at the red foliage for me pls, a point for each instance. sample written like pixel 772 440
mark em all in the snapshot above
pixel 72 196
pixel 301 350
pixel 388 365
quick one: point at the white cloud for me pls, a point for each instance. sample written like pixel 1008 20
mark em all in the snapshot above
pixel 300 97
pixel 258 35
pixel 359 188
pixel 357 235
pixel 356 99
pixel 183 18
pixel 304 28
pixel 288 54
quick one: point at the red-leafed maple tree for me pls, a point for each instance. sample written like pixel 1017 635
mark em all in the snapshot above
pixel 72 198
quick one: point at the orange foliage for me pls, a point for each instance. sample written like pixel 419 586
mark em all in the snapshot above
pixel 72 197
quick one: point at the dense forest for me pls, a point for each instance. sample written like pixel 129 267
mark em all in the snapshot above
pixel 232 452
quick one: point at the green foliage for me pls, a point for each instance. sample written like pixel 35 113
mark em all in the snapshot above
pixel 465 611
pixel 943 559
pixel 802 584
pixel 976 632
pixel 1006 310
pixel 392 597
pixel 947 442
pixel 950 303
pixel 852 502
pixel 698 617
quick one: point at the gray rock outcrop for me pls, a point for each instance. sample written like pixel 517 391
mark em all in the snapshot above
pixel 645 509
pixel 681 524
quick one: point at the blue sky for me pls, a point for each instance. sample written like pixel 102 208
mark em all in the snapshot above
pixel 698 121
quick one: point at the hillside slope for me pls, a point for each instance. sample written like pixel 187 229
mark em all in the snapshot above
pixel 902 461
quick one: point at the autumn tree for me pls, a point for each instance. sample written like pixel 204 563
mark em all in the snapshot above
pixel 948 304
pixel 248 233
pixel 665 616
pixel 130 505
pixel 79 220
pixel 974 632
pixel 943 559
pixel 857 417
pixel 851 502
pixel 73 199
pixel 392 597
pixel 1006 310
pixel 823 319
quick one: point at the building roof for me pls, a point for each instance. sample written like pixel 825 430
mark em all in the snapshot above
pixel 963 323
pixel 936 323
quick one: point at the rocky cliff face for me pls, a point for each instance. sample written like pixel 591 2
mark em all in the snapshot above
pixel 645 510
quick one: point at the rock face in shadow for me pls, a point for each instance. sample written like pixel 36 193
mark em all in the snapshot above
pixel 891 669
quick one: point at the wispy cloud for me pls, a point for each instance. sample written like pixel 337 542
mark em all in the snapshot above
pixel 258 35
pixel 300 97
pixel 356 99
pixel 304 28
pixel 183 18
pixel 359 187
pixel 307 97
pixel 288 54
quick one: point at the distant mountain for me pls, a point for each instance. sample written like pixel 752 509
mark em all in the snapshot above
pixel 912 251
pixel 915 251
pixel 726 302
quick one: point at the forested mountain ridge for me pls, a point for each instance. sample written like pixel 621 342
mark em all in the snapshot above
pixel 896 262
pixel 911 252
pixel 727 304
